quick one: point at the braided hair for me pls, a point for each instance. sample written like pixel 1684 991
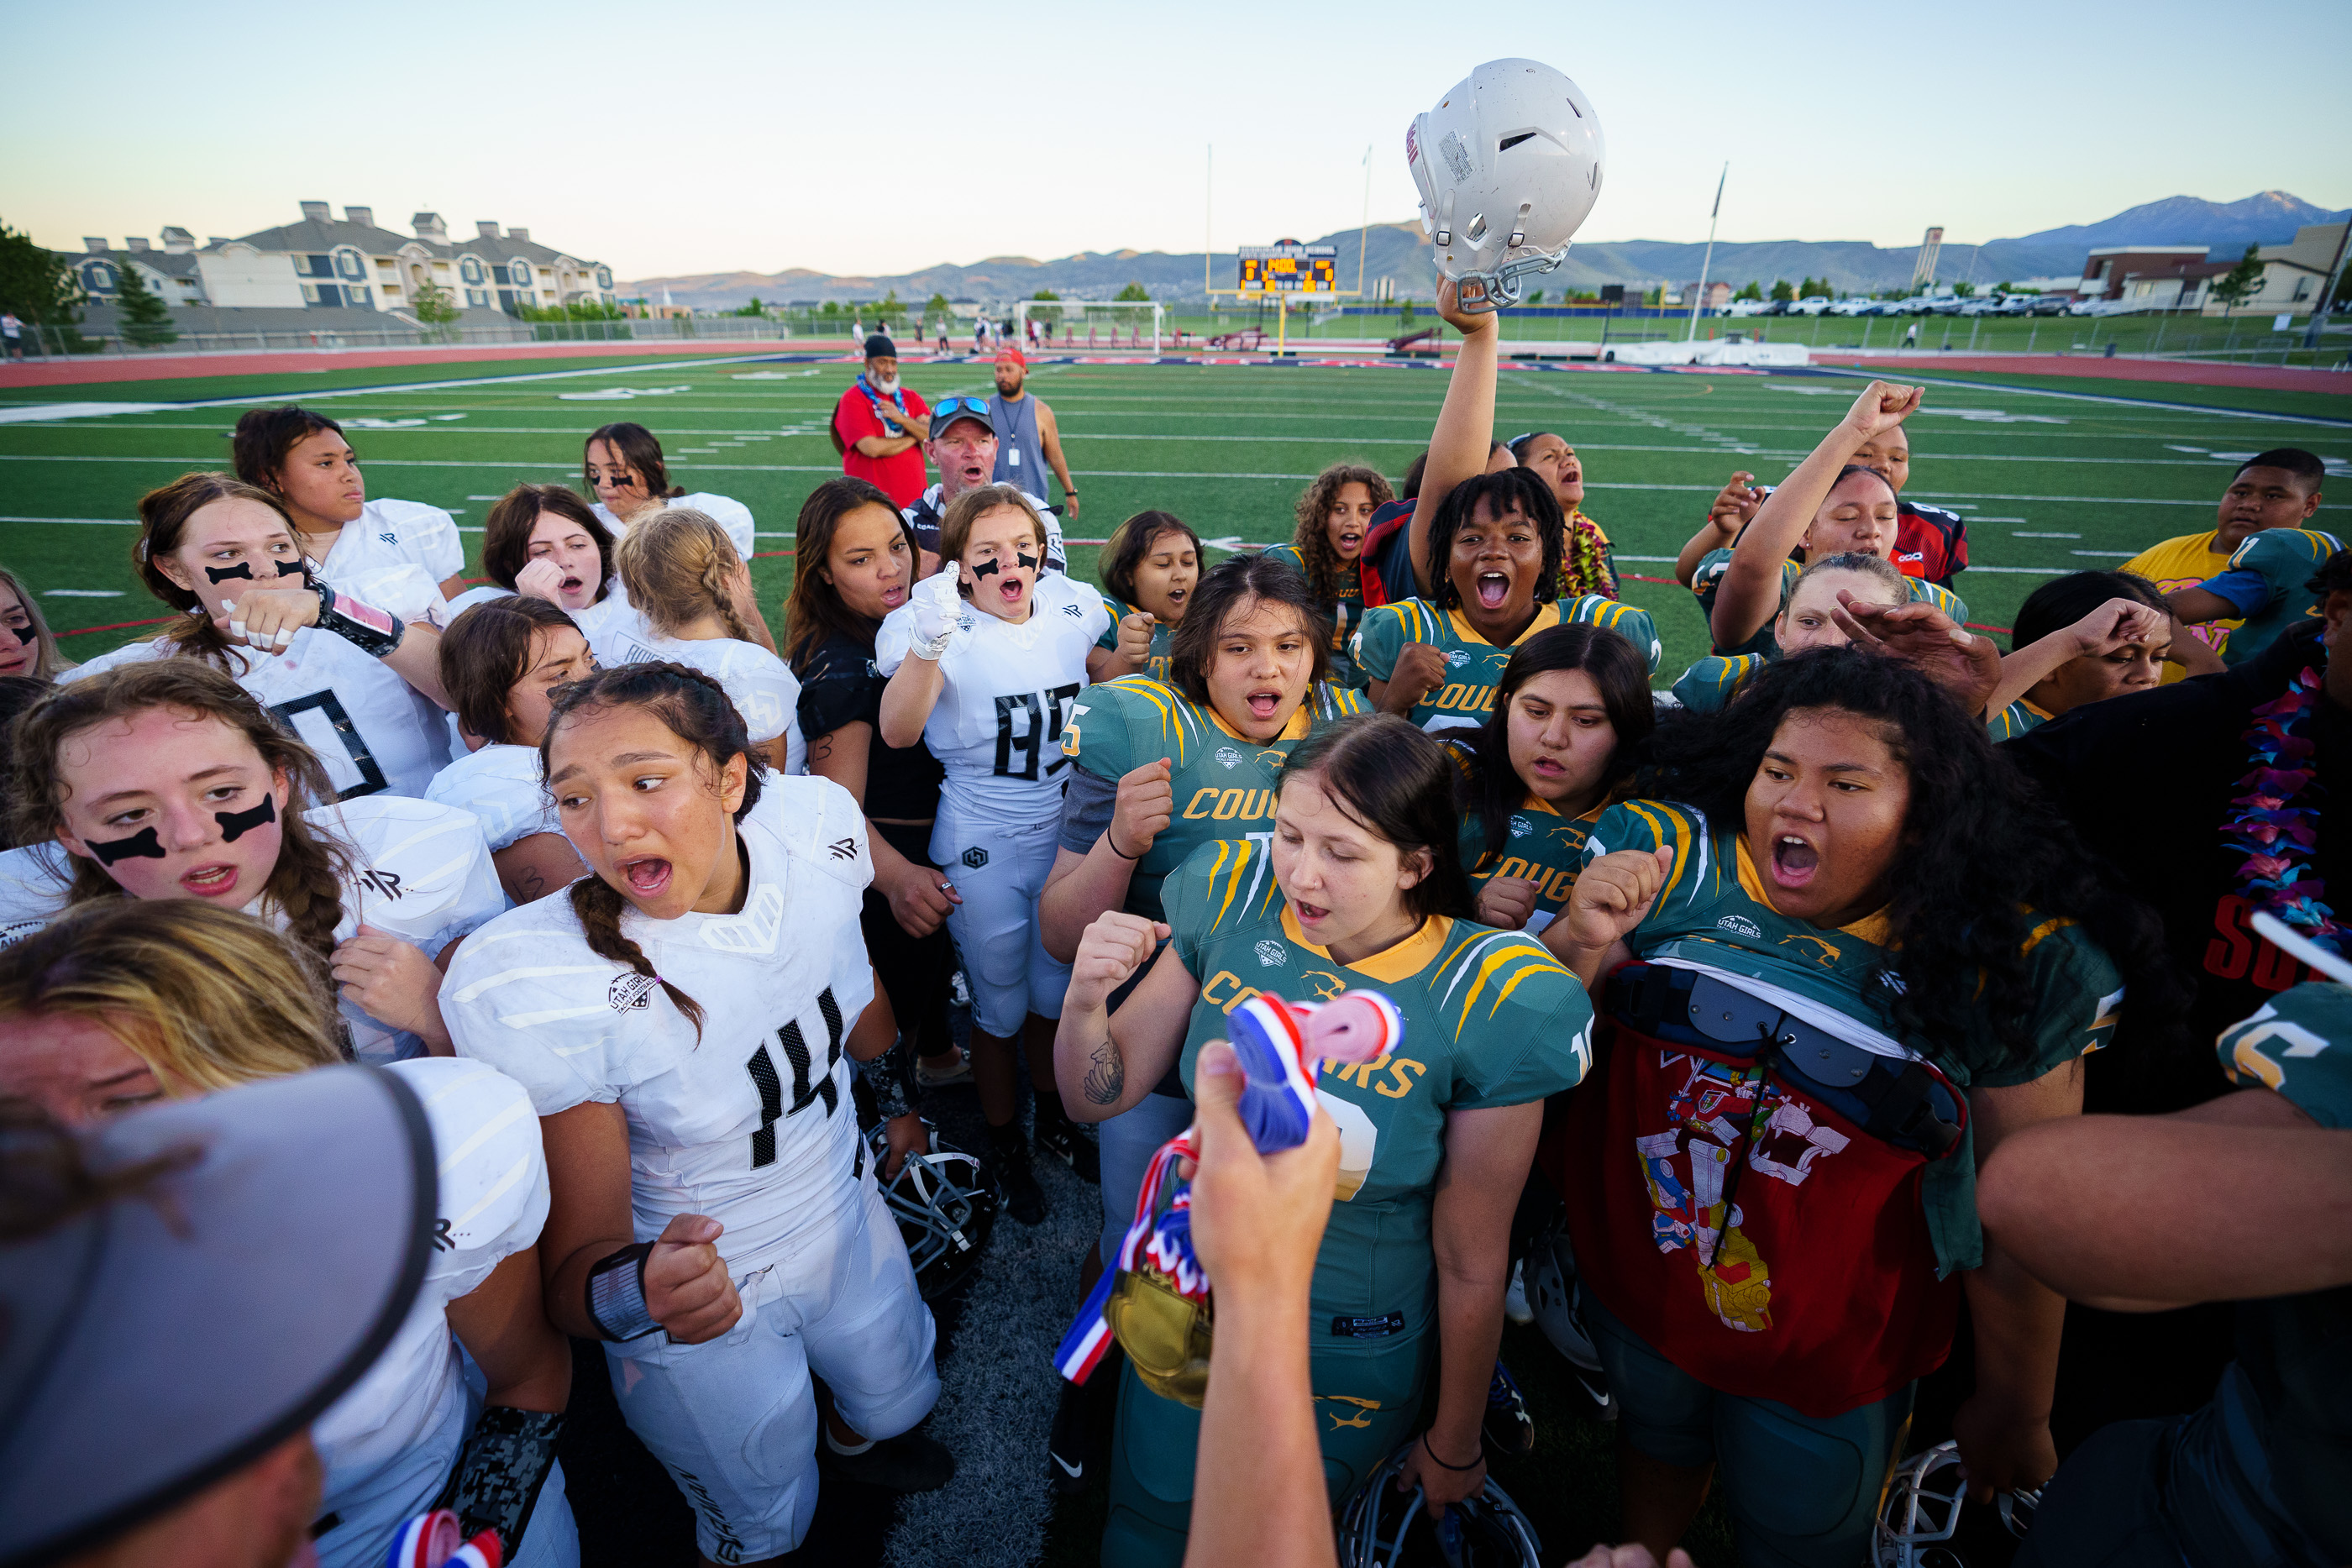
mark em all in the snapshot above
pixel 306 885
pixel 1511 490
pixel 679 566
pixel 696 708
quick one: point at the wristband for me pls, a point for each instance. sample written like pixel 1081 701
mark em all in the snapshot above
pixel 616 1294
pixel 1442 1463
pixel 363 626
pixel 504 1463
pixel 1116 851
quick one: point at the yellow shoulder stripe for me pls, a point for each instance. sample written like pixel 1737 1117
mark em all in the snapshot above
pixel 1529 959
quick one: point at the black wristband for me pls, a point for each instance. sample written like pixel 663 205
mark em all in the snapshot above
pixel 616 1294
pixel 363 626
pixel 504 1463
pixel 1442 1463
pixel 1116 851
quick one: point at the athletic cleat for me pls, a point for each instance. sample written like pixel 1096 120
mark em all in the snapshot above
pixel 1509 1427
pixel 1073 1146
pixel 908 1462
pixel 1515 1300
pixel 1065 1451
pixel 929 1077
pixel 1023 1199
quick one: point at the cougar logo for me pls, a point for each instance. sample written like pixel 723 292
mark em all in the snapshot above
pixel 1325 984
pixel 843 849
pixel 1521 827
pixel 631 993
pixel 1272 954
pixel 1228 757
pixel 1739 925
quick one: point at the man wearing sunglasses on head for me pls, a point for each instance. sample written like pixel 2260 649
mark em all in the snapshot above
pixel 963 446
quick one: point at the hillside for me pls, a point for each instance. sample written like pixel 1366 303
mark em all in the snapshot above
pixel 1399 251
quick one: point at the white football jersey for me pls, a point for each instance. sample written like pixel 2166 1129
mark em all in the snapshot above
pixel 500 785
pixel 749 1119
pixel 395 554
pixel 420 871
pixel 764 690
pixel 493 1200
pixel 375 733
pixel 997 727
pixel 728 513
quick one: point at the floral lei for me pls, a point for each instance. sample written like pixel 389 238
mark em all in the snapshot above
pixel 1587 559
pixel 2275 822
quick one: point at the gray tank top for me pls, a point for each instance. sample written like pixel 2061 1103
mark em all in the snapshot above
pixel 1020 458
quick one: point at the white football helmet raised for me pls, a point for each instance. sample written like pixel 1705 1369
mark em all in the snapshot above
pixel 1508 164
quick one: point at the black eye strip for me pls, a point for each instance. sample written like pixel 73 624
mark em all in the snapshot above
pixel 223 573
pixel 293 568
pixel 1029 561
pixel 985 568
pixel 234 825
pixel 141 845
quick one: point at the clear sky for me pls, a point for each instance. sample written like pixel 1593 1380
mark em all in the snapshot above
pixel 710 135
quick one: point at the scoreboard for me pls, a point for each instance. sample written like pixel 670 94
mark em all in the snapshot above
pixel 1288 268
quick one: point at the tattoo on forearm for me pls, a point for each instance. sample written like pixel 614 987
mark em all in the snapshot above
pixel 1105 1077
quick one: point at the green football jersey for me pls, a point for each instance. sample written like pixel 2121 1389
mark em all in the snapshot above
pixel 2298 1045
pixel 1543 847
pixel 2265 581
pixel 1714 910
pixel 1156 668
pixel 1474 667
pixel 1490 1018
pixel 1709 577
pixel 1224 784
pixel 1346 611
pixel 1715 680
pixel 2015 720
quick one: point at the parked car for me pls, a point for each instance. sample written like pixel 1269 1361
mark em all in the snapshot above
pixel 1914 305
pixel 1980 305
pixel 1811 305
pixel 2017 304
pixel 1945 305
pixel 2098 306
pixel 1854 307
pixel 1749 308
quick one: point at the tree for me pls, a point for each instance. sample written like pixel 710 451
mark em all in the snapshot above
pixel 1133 291
pixel 1780 290
pixel 1749 290
pixel 1964 289
pixel 2242 282
pixel 38 287
pixel 830 307
pixel 1535 296
pixel 435 307
pixel 2009 285
pixel 751 309
pixel 144 319
pixel 1049 315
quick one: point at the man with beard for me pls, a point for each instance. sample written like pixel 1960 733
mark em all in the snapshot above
pixel 879 427
pixel 1027 439
pixel 964 447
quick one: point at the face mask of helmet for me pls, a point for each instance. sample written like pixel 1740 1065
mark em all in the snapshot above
pixel 1508 166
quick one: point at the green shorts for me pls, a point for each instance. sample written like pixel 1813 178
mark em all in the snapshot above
pixel 1802 1490
pixel 1367 1406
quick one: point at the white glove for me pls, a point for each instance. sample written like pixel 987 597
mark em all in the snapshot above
pixel 938 608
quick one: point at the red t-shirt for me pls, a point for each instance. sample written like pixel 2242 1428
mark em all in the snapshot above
pixel 854 419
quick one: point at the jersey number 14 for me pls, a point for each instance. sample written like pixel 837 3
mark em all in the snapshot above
pixel 810 1084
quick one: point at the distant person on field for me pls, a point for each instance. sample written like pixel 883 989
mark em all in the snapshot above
pixel 941 328
pixel 879 427
pixel 13 331
pixel 2239 589
pixel 964 447
pixel 1589 568
pixel 1027 439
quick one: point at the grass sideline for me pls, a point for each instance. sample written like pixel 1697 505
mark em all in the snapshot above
pixel 2051 483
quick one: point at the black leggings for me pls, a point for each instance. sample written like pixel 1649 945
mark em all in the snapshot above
pixel 916 971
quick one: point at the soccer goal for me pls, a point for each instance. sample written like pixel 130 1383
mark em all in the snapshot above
pixel 1089 323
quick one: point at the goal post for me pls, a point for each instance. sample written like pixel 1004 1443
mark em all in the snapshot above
pixel 1072 317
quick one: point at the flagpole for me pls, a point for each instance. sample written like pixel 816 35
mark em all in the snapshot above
pixel 1709 261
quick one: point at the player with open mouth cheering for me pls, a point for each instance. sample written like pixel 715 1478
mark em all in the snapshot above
pixel 984 660
pixel 684 1019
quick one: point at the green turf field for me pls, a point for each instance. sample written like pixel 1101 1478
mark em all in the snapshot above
pixel 2053 477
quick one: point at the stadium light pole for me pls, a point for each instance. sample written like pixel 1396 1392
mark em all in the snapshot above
pixel 2327 291
pixel 1208 210
pixel 1692 336
pixel 1365 228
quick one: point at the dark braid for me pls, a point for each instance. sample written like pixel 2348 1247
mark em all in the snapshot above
pixel 697 710
pixel 1512 489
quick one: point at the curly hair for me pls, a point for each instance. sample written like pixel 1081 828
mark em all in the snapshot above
pixel 306 885
pixel 678 565
pixel 696 708
pixel 1312 536
pixel 1983 860
pixel 1616 666
pixel 1516 490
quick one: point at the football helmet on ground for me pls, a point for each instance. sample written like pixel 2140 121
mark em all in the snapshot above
pixel 945 1203
pixel 1925 1521
pixel 1381 1527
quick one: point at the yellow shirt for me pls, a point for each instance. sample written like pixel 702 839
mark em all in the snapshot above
pixel 2186 562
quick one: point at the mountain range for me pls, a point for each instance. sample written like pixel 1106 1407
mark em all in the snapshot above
pixel 1399 251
